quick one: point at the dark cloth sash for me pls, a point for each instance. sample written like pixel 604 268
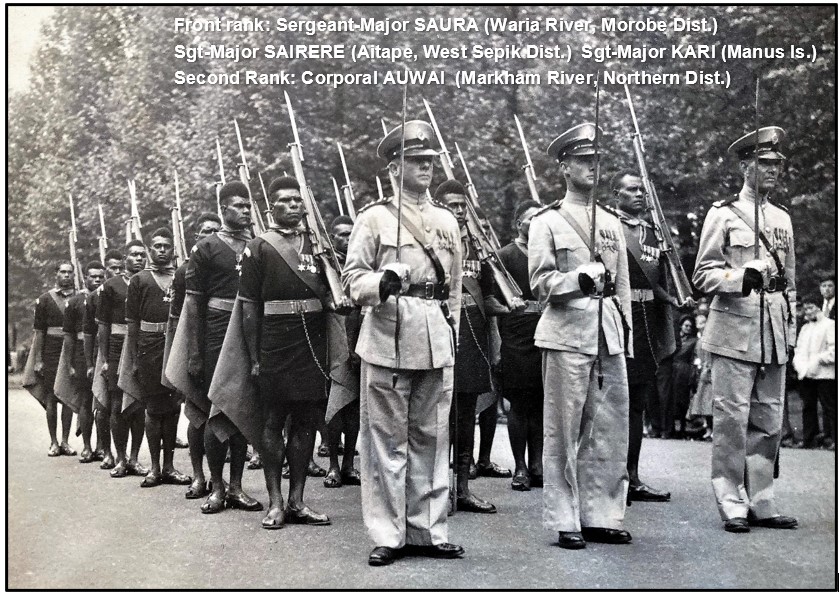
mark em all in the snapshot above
pixel 472 286
pixel 635 250
pixel 291 258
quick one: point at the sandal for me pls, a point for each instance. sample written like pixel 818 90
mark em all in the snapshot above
pixel 332 479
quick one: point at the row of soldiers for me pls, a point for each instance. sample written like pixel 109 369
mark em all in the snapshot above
pixel 248 335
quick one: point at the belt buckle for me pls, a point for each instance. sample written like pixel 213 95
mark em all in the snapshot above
pixel 775 284
pixel 296 307
pixel 429 291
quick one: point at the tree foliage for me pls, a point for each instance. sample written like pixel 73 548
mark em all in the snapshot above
pixel 103 108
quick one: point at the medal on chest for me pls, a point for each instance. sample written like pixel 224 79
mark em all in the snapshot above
pixel 239 262
pixel 472 268
pixel 650 254
pixel 167 295
pixel 307 263
pixel 779 238
pixel 608 240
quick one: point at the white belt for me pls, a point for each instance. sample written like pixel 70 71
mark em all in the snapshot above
pixel 292 307
pixel 119 329
pixel 467 300
pixel 642 295
pixel 225 304
pixel 55 331
pixel 532 307
pixel 152 327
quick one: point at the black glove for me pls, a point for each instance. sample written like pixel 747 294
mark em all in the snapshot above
pixel 389 284
pixel 586 284
pixel 752 280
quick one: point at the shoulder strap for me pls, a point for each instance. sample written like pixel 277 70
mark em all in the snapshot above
pixel 577 228
pixel 415 232
pixel 289 255
pixel 61 304
pixel 762 236
pixel 634 249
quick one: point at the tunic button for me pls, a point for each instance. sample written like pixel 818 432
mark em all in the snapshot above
pixel 428 229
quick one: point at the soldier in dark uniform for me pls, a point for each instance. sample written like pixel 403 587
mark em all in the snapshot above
pixel 585 423
pixel 212 280
pixel 521 360
pixel 749 348
pixel 205 225
pixel 146 312
pixel 407 350
pixel 285 329
pixel 102 414
pixel 110 315
pixel 652 321
pixel 346 419
pixel 74 351
pixel 39 375
pixel 472 365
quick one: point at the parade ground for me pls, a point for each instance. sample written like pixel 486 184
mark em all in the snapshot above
pixel 71 526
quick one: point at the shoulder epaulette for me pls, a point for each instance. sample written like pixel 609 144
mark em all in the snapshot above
pixel 551 206
pixel 441 205
pixel 378 202
pixel 611 210
pixel 781 206
pixel 724 202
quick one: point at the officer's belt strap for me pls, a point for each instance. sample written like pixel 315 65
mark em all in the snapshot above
pixel 225 304
pixel 291 307
pixel 152 327
pixel 577 228
pixel 55 331
pixel 418 236
pixel 428 291
pixel 762 236
pixel 292 259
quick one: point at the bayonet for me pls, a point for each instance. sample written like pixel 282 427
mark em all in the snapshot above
pixel 294 126
pixel 529 171
pixel 338 197
pixel 349 196
pixel 446 160
pixel 73 239
pixel 220 161
pixel 103 237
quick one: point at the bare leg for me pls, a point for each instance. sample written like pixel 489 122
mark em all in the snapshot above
pixel 154 431
pixel 195 436
pixel 66 423
pixel 138 425
pixel 52 420
pixel 238 455
pixel 170 434
pixel 216 453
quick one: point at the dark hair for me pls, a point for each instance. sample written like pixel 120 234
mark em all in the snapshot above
pixel 205 217
pixel 829 278
pixel 162 231
pixel 232 189
pixel 340 220
pixel 133 243
pixel 93 265
pixel 812 298
pixel 614 184
pixel 692 320
pixel 449 186
pixel 523 206
pixel 114 254
pixel 283 183
pixel 60 263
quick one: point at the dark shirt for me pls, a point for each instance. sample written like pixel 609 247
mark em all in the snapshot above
pixel 47 312
pixel 178 291
pixel 516 263
pixel 74 314
pixel 111 307
pixel 214 268
pixel 146 300
pixel 266 275
pixel 644 234
pixel 90 304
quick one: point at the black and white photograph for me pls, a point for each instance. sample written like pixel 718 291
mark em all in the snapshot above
pixel 421 296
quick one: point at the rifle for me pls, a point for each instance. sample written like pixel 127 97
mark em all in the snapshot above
pixel 593 254
pixel 268 217
pixel 349 197
pixel 73 238
pixel 681 284
pixel 221 176
pixel 181 253
pixel 484 246
pixel 103 238
pixel 322 248
pixel 379 188
pixel 245 178
pixel 394 185
pixel 134 230
pixel 529 172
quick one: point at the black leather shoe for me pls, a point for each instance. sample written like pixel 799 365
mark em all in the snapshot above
pixel 645 493
pixel 492 470
pixel 571 540
pixel 609 536
pixel 440 551
pixel 737 525
pixel 471 503
pixel 537 480
pixel 383 556
pixel 307 516
pixel 242 501
pixel 783 522
pixel 351 477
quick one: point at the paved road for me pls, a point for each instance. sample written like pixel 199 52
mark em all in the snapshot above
pixel 71 526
